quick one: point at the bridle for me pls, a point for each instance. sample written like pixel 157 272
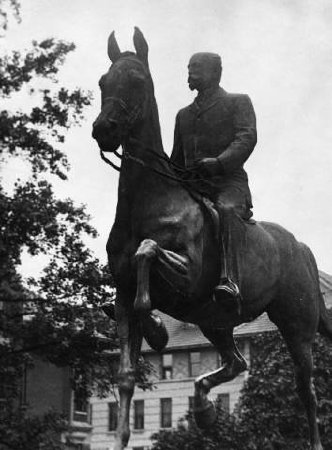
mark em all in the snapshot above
pixel 131 115
pixel 131 118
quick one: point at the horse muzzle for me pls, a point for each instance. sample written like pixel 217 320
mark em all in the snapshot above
pixel 107 134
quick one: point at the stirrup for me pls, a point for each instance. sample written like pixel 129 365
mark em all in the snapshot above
pixel 228 286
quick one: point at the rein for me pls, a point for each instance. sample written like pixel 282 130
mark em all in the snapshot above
pixel 139 161
pixel 127 155
pixel 107 161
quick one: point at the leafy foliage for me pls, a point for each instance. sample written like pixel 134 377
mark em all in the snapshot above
pixel 187 436
pixel 270 409
pixel 20 432
pixel 9 8
pixel 30 135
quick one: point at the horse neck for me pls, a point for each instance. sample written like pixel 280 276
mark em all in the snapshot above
pixel 151 126
pixel 148 137
pixel 148 133
pixel 145 144
pixel 154 179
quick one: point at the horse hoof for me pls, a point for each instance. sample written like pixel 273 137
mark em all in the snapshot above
pixel 202 385
pixel 154 332
pixel 205 416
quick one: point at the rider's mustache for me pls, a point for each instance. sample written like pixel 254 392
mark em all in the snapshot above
pixel 194 80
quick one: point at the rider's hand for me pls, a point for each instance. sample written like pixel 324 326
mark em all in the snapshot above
pixel 209 166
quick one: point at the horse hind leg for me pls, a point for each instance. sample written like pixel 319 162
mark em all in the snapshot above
pixel 301 352
pixel 233 364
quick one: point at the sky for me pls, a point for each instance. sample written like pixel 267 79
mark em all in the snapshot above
pixel 279 52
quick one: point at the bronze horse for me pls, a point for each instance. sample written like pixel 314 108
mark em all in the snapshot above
pixel 163 252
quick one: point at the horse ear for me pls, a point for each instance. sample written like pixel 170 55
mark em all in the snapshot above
pixel 113 49
pixel 141 45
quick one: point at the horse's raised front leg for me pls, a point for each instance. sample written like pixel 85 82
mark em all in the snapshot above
pixel 172 266
pixel 130 343
pixel 233 364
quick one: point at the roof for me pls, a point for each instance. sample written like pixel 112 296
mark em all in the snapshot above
pixel 184 335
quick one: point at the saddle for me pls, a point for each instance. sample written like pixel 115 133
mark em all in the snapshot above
pixel 213 213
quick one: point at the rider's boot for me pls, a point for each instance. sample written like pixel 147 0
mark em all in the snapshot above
pixel 227 292
pixel 232 244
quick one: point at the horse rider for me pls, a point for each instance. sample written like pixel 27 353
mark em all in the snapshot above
pixel 214 136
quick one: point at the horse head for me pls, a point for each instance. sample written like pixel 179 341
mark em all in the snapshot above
pixel 125 92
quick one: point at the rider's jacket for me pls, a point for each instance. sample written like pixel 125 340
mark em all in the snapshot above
pixel 217 124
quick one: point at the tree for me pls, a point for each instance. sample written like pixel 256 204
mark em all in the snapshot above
pixel 8 8
pixel 269 408
pixel 56 316
pixel 269 414
pixel 31 433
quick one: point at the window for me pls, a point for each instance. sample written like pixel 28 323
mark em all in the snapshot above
pixel 81 407
pixel 167 367
pixel 166 412
pixel 139 414
pixel 138 448
pixel 112 416
pixel 194 364
pixel 224 401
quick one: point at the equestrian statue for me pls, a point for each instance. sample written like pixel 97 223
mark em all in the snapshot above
pixel 184 241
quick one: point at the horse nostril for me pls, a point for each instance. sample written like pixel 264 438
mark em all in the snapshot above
pixel 112 125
